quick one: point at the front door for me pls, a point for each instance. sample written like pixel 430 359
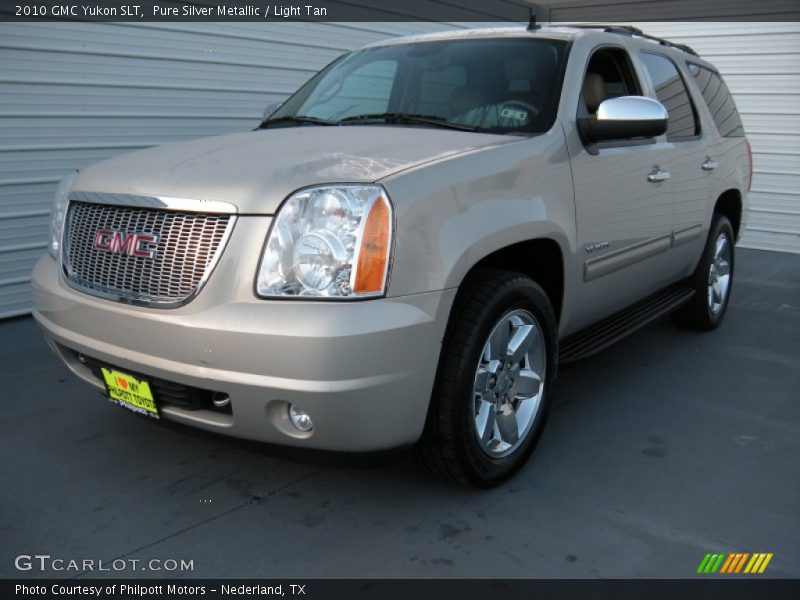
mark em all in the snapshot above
pixel 622 199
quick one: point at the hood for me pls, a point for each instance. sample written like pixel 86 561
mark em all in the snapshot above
pixel 256 170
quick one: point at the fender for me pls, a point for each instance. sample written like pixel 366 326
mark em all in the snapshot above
pixel 457 211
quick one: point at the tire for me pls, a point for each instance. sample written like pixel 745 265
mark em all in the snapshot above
pixel 712 280
pixel 516 313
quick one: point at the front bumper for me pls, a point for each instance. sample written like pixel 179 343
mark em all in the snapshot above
pixel 363 371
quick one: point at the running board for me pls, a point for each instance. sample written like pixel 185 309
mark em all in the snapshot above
pixel 610 330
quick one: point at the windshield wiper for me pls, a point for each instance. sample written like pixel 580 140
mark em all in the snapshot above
pixel 399 117
pixel 302 119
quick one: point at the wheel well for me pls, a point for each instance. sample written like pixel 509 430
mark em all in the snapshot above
pixel 541 260
pixel 730 205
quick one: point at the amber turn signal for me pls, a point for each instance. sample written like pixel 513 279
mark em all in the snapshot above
pixel 373 256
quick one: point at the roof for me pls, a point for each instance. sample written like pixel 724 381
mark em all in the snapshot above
pixel 557 32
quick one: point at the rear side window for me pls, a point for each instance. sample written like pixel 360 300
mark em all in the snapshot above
pixel 719 101
pixel 672 93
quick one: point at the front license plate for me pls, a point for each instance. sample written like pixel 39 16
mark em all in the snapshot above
pixel 130 392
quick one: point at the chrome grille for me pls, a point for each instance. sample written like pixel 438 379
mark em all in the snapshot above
pixel 188 247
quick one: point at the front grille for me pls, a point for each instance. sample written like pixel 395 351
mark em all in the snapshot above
pixel 188 246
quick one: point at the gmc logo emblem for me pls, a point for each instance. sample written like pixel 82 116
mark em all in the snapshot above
pixel 143 245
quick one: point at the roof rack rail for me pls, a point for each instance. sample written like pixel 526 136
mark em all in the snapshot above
pixel 629 30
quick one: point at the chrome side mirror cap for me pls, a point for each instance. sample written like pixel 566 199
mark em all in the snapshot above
pixel 623 118
pixel 631 108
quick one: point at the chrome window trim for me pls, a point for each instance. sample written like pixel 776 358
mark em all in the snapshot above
pixel 156 202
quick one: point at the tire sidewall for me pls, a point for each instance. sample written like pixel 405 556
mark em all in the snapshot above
pixel 721 226
pixel 530 297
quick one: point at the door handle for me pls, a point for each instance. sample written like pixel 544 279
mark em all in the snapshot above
pixel 709 165
pixel 657 176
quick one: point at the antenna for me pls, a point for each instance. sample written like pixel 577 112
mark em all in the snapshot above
pixel 538 13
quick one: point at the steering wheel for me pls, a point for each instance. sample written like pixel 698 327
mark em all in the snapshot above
pixel 532 110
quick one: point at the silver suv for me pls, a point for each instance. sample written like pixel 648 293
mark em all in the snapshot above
pixel 402 252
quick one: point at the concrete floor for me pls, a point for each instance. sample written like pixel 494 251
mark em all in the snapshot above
pixel 669 445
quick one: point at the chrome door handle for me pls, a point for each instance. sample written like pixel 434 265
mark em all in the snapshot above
pixel 709 165
pixel 657 176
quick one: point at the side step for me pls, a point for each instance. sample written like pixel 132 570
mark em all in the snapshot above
pixel 610 330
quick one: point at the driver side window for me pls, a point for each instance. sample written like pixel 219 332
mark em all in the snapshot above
pixel 609 74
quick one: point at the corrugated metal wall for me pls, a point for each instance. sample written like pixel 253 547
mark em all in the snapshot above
pixel 761 65
pixel 75 93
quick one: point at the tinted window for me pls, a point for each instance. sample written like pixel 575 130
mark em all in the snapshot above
pixel 499 85
pixel 719 101
pixel 672 93
pixel 609 74
pixel 437 87
pixel 366 88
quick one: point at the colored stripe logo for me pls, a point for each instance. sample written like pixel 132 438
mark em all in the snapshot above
pixel 734 562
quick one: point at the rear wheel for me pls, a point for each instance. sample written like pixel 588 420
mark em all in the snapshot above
pixel 712 280
pixel 493 386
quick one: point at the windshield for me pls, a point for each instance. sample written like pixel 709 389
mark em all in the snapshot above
pixel 507 85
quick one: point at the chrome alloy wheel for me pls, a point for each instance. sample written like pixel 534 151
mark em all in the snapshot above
pixel 509 382
pixel 719 274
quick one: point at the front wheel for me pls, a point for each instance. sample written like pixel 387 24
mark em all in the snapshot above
pixel 493 386
pixel 712 280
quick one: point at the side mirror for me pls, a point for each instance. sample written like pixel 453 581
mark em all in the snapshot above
pixel 270 109
pixel 623 118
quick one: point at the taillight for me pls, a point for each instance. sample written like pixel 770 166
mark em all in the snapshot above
pixel 750 164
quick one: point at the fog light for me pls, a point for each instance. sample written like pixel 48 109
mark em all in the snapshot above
pixel 300 419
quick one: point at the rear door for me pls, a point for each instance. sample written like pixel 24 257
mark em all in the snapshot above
pixel 692 159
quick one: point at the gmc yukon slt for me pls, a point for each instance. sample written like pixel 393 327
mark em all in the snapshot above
pixel 405 249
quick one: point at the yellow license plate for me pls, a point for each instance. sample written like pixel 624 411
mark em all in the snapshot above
pixel 130 392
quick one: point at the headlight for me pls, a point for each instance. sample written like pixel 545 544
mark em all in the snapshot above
pixel 57 211
pixel 331 241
